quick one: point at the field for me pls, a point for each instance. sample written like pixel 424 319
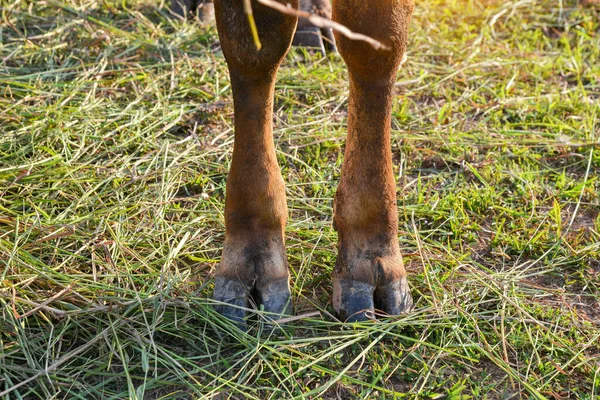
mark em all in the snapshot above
pixel 116 136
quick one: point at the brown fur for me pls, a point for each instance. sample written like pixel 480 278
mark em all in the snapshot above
pixel 365 204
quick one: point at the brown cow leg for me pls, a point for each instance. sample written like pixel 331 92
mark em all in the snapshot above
pixel 307 34
pixel 369 272
pixel 254 264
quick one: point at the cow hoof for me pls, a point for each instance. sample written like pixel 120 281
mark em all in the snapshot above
pixel 355 301
pixel 313 37
pixel 275 298
pixel 394 298
pixel 203 10
pixel 234 299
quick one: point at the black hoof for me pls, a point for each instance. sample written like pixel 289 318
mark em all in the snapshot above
pixel 235 299
pixel 356 301
pixel 353 300
pixel 394 298
pixel 317 38
pixel 203 10
pixel 234 296
pixel 275 298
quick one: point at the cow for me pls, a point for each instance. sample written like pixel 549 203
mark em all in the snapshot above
pixel 306 35
pixel 369 273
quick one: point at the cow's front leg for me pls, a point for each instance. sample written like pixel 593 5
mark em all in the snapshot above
pixel 369 272
pixel 254 263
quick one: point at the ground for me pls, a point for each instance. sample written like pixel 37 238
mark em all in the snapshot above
pixel 116 125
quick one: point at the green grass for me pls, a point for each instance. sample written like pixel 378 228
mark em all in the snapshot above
pixel 116 136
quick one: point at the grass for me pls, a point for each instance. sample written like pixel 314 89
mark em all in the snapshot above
pixel 116 126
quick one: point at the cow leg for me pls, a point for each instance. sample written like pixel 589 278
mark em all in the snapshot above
pixel 369 272
pixel 254 264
